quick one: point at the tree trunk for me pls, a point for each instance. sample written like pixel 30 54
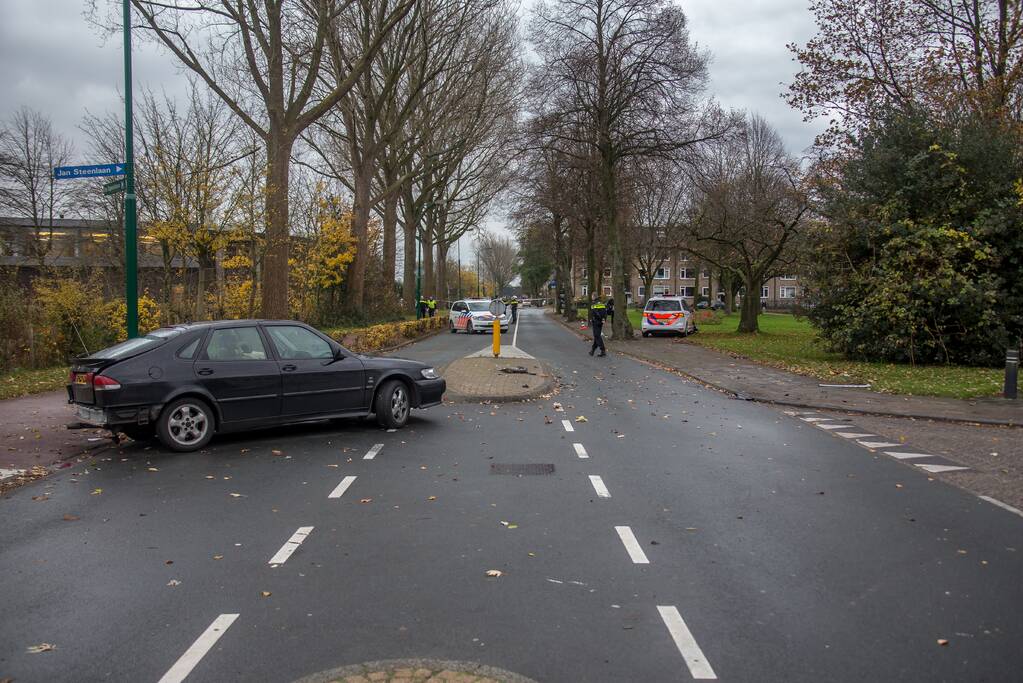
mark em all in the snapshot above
pixel 621 328
pixel 427 250
pixel 390 227
pixel 750 307
pixel 362 181
pixel 275 265
pixel 441 288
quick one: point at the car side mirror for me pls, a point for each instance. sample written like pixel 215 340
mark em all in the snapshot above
pixel 338 353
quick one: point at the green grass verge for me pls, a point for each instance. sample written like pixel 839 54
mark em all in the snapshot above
pixel 792 344
pixel 19 382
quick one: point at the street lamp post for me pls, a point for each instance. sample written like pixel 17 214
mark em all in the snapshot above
pixel 130 226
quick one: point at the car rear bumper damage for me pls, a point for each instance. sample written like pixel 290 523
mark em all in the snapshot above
pixel 117 416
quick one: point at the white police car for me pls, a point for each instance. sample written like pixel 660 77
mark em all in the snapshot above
pixel 667 315
pixel 477 316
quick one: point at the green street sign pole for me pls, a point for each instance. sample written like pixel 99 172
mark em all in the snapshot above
pixel 419 275
pixel 131 252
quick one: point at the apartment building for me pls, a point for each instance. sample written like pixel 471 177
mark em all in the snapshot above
pixel 678 276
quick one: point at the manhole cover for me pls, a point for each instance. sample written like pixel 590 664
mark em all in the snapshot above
pixel 521 468
pixel 417 671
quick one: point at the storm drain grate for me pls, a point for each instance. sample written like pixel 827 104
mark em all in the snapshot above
pixel 517 468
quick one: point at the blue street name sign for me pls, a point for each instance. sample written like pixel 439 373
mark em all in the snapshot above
pixel 92 171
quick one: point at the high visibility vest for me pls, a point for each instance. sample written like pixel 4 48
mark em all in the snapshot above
pixel 432 303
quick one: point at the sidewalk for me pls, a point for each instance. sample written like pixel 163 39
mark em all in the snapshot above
pixel 33 434
pixel 750 380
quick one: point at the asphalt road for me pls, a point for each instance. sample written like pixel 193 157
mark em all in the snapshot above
pixel 775 551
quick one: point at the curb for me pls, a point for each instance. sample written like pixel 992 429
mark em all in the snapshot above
pixel 797 404
pixel 473 668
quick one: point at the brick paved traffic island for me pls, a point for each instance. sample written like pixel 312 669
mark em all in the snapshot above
pixel 416 671
pixel 490 379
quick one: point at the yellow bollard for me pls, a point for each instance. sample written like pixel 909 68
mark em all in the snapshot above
pixel 497 339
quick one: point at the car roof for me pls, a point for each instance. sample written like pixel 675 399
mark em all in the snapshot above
pixel 232 323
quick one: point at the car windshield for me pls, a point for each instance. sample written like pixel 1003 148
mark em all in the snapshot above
pixel 479 306
pixel 133 346
pixel 659 305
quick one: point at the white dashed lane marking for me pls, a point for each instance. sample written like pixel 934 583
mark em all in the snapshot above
pixel 1002 505
pixel 373 451
pixel 698 665
pixel 632 545
pixel 908 456
pixel 198 650
pixel 291 545
pixel 340 489
pixel 567 425
pixel 598 486
pixel 877 444
pixel 937 469
pixel 580 451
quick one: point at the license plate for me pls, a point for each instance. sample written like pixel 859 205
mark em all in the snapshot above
pixel 81 379
pixel 91 415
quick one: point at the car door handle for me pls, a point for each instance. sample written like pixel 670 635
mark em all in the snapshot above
pixel 289 368
pixel 204 371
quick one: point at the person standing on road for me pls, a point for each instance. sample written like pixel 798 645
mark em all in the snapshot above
pixel 514 310
pixel 432 305
pixel 598 312
pixel 422 306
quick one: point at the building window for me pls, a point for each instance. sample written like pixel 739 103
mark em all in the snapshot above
pixel 586 290
pixel 661 274
pixel 682 258
pixel 607 272
pixel 765 292
pixel 660 290
pixel 607 291
pixel 786 277
pixel 685 273
pixel 705 273
pixel 704 291
pixel 787 292
pixel 641 290
pixel 688 291
pixel 582 273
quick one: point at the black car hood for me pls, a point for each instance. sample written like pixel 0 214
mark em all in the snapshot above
pixel 378 363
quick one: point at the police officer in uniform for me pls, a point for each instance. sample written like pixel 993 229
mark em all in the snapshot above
pixel 598 312
pixel 432 305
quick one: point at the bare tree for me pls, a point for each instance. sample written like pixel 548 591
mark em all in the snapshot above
pixel 279 65
pixel 749 212
pixel 29 151
pixel 660 199
pixel 499 258
pixel 620 79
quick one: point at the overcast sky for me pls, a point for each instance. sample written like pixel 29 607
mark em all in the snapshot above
pixel 51 59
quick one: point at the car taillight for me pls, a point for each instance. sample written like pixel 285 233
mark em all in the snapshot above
pixel 101 383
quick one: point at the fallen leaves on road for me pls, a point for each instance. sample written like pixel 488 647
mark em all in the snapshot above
pixel 557 407
pixel 236 495
pixel 547 420
pixel 210 476
pixel 509 525
pixel 265 594
pixel 276 452
pixel 96 492
pixel 152 469
pixel 581 418
pixel 333 465
pixel 898 486
pixel 218 557
pixel 71 518
pixel 173 582
pixel 432 498
pixel 41 647
pixel 365 500
pixel 494 573
pixel 942 642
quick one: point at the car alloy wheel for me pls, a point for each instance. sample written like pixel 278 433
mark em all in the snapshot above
pixel 399 404
pixel 187 424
